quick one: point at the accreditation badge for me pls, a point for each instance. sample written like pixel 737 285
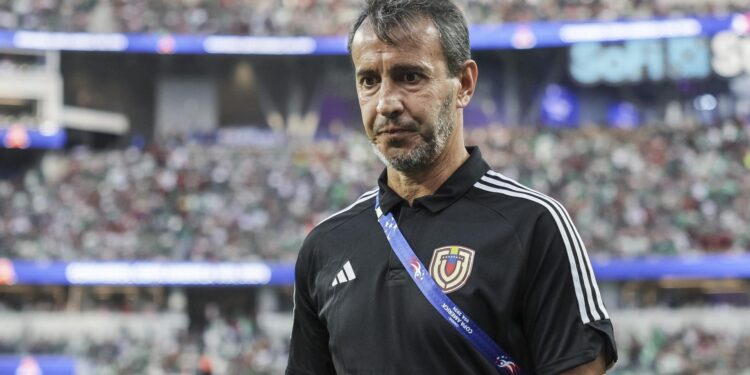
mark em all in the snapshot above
pixel 451 266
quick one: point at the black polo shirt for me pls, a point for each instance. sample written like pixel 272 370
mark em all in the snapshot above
pixel 507 256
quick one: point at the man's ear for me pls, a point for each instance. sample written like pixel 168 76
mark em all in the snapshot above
pixel 467 77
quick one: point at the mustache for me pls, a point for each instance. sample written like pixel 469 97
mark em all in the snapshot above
pixel 395 124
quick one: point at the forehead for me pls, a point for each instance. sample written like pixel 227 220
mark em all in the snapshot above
pixel 420 44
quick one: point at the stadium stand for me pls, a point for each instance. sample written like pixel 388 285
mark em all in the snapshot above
pixel 141 331
pixel 689 341
pixel 270 17
pixel 224 346
pixel 640 192
pixel 688 351
pixel 651 341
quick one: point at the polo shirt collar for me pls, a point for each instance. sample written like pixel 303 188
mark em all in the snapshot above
pixel 460 182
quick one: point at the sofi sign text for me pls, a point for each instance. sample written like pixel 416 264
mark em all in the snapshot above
pixel 636 61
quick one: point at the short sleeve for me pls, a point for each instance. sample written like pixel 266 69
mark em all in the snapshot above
pixel 308 352
pixel 565 319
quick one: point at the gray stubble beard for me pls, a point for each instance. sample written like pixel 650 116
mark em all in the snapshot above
pixel 425 153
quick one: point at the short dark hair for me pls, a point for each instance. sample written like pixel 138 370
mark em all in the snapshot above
pixel 390 16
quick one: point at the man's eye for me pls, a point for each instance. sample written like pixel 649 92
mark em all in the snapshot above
pixel 411 77
pixel 368 81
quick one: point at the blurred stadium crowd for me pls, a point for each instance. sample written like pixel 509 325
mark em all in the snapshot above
pixel 234 345
pixel 690 350
pixel 292 17
pixel 231 346
pixel 636 192
pixel 179 201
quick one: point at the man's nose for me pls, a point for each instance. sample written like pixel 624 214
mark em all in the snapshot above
pixel 390 102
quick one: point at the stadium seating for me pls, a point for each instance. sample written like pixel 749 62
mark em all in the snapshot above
pixel 640 192
pixel 271 17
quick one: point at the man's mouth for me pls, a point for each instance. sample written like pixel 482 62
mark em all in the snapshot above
pixel 393 130
pixel 396 131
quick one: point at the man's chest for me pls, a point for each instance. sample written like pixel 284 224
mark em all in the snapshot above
pixel 370 305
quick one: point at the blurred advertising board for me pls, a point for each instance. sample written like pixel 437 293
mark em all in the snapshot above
pixel 37 365
pixel 20 137
pixel 143 273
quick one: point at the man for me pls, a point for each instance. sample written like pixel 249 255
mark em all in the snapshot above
pixel 509 257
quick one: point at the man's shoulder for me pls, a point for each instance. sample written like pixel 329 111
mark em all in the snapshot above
pixel 345 215
pixel 327 234
pixel 511 198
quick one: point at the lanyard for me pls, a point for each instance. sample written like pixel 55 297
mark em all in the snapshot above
pixel 442 303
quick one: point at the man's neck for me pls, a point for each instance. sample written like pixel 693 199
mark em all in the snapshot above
pixel 413 185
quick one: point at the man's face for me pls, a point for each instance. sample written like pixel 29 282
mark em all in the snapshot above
pixel 406 95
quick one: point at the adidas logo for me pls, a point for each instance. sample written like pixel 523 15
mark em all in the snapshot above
pixel 344 275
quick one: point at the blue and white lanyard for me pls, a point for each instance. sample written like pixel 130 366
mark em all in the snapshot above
pixel 442 303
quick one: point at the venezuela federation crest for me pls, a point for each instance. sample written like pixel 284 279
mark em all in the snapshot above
pixel 450 267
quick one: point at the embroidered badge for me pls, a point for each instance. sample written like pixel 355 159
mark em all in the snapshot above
pixel 451 266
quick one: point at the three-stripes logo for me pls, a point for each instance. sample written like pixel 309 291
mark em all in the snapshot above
pixel 344 275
